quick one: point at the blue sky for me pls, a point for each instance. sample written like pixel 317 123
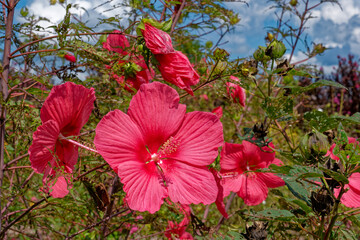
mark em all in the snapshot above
pixel 335 27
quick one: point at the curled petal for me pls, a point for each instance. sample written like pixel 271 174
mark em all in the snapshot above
pixel 70 105
pixel 218 111
pixel 220 197
pixel 42 149
pixel 60 188
pixel 159 42
pixel 236 92
pixel 176 68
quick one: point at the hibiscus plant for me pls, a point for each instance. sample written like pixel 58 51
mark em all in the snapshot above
pixel 142 126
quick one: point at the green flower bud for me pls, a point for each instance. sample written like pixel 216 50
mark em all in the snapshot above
pixel 220 54
pixel 276 49
pixel 313 146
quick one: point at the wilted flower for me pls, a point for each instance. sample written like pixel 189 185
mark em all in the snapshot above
pixel 236 92
pixel 330 152
pixel 159 42
pixel 64 113
pixel 174 66
pixel 159 150
pixel 116 43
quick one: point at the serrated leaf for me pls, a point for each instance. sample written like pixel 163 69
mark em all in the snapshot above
pixel 320 121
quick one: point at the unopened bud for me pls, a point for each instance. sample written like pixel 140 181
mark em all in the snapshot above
pixel 314 146
pixel 276 49
pixel 293 3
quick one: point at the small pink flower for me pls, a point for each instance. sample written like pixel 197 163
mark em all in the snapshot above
pixel 159 150
pixel 236 92
pixel 70 57
pixel 64 112
pixel 330 152
pixel 116 43
pixel 204 96
pixel 178 230
pixel 119 43
pixel 176 68
pixel 351 198
pixel 218 111
pixel 158 41
pixel 239 163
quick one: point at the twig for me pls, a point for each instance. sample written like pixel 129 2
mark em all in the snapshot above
pixel 21 216
pixel 96 224
pixel 15 160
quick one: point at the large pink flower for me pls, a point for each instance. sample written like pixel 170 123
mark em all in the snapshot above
pixel 159 150
pixel 330 152
pixel 159 42
pixel 176 68
pixel 239 163
pixel 236 92
pixel 64 113
pixel 352 197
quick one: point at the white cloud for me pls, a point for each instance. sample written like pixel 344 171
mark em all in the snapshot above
pixel 337 15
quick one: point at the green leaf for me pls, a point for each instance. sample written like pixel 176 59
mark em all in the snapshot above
pixel 335 175
pixel 320 121
pixel 297 90
pixel 276 214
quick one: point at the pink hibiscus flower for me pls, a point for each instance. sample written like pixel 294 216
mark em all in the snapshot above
pixel 118 43
pixel 351 198
pixel 177 231
pixel 239 163
pixel 174 66
pixel 64 113
pixel 330 152
pixel 159 150
pixel 236 92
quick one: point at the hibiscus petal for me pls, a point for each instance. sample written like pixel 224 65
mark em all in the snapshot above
pixel 42 149
pixel 188 184
pixel 143 186
pixel 156 110
pixel 118 140
pixel 60 189
pixel 354 183
pixel 231 156
pixel 350 198
pixel 271 180
pixel 70 105
pixel 220 197
pixel 199 138
pixel 232 184
pixel 256 157
pixel 252 190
